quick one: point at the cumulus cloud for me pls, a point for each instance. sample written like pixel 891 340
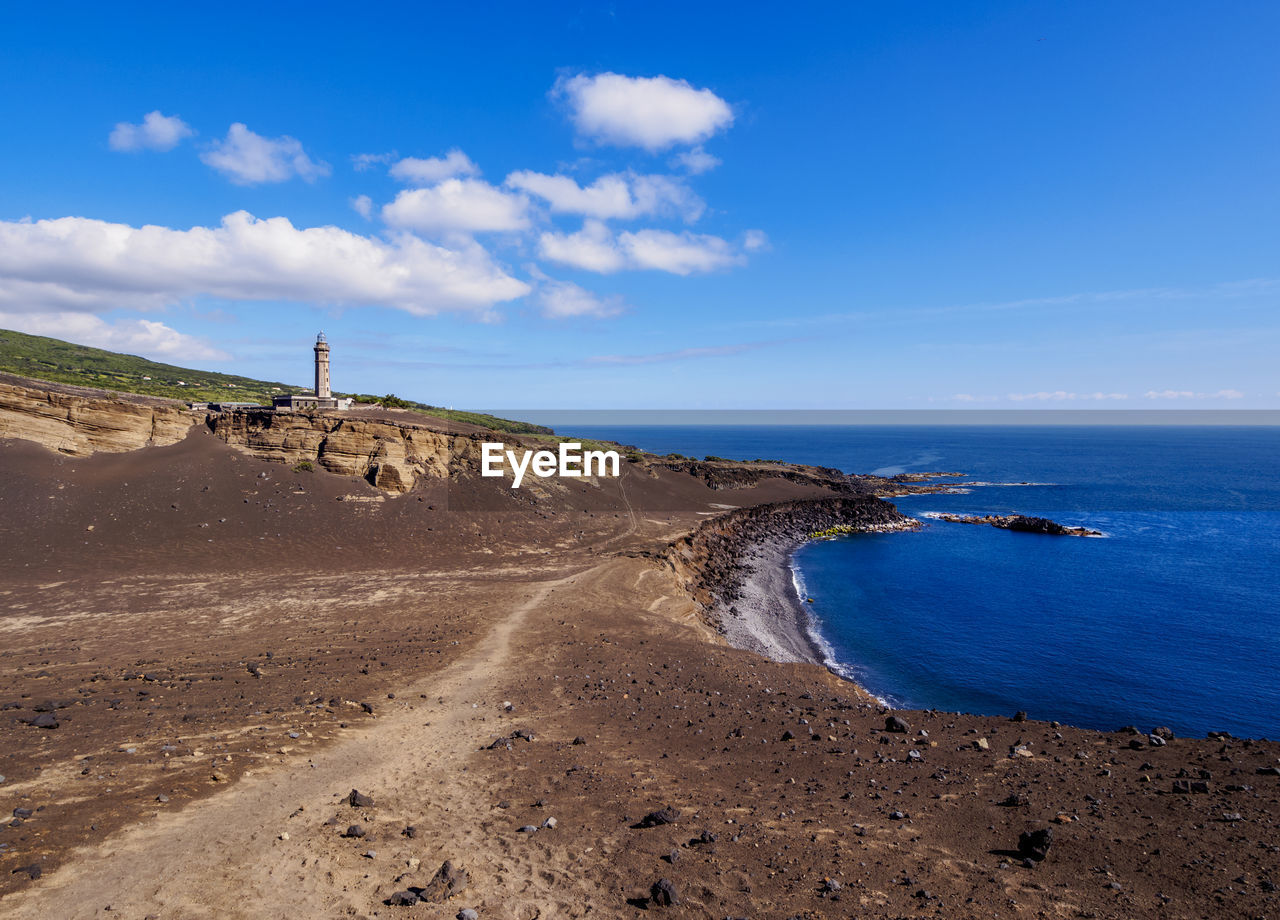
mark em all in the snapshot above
pixel 678 253
pixel 612 196
pixel 592 248
pixel 417 171
pixel 458 205
pixel 84 265
pixel 595 248
pixel 144 337
pixel 362 205
pixel 755 241
pixel 250 159
pixel 650 112
pixel 566 300
pixel 695 161
pixel 157 132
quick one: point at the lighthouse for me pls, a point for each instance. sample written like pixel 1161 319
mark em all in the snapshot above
pixel 322 367
pixel 323 397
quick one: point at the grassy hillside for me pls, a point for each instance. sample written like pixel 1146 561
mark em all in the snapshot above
pixel 62 362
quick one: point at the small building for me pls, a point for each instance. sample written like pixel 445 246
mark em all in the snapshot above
pixel 323 397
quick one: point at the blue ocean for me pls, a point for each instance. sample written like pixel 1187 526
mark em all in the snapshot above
pixel 1172 619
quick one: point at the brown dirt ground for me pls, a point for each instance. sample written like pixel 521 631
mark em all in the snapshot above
pixel 208 664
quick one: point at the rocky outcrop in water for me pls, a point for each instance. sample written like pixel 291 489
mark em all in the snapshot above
pixel 79 422
pixel 1019 522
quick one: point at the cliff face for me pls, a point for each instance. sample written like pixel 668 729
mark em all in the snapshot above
pixel 391 456
pixel 709 561
pixel 79 425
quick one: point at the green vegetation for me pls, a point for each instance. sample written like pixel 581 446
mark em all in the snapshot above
pixel 483 419
pixel 712 458
pixel 304 466
pixel 836 531
pixel 62 362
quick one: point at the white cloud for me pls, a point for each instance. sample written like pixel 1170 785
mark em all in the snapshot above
pixel 679 253
pixel 1064 396
pixel 466 205
pixel 84 265
pixel 649 112
pixel 696 161
pixel 157 132
pixel 434 169
pixel 363 205
pixel 249 158
pixel 612 196
pixel 755 241
pixel 1189 394
pixel 362 162
pixel 594 248
pixel 565 300
pixel 133 336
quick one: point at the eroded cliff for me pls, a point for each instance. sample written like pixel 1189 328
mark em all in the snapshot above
pixel 390 455
pixel 81 423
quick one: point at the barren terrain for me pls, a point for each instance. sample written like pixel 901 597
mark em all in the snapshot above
pixel 229 648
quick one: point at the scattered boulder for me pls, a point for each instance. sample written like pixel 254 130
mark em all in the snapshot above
pixel 404 898
pixel 660 817
pixel 895 724
pixel 354 831
pixel 357 799
pixel 468 913
pixel 1034 845
pixel 448 881
pixel 44 720
pixel 663 893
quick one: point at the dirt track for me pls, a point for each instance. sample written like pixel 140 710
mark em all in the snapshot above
pixel 783 776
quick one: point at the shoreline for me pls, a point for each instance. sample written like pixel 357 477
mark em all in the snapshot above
pixel 754 597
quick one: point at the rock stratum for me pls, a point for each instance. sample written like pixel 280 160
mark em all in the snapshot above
pixel 392 456
pixel 80 422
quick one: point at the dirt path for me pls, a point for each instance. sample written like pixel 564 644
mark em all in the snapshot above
pixel 224 857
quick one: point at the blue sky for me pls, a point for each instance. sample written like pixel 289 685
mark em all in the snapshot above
pixel 864 205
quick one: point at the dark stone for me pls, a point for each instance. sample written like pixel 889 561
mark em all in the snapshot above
pixel 1021 714
pixel 788 735
pixel 44 720
pixel 355 831
pixel 357 799
pixel 448 881
pixel 411 832
pixel 895 724
pixel 663 893
pixel 1013 800
pixel 579 740
pixel 32 871
pixel 1034 845
pixel 1268 771
pixel 367 708
pixel 660 817
pixel 403 899
pixel 897 816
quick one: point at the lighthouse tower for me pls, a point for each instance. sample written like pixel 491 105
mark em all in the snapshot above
pixel 322 367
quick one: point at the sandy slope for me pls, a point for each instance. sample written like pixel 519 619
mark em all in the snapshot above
pixel 787 770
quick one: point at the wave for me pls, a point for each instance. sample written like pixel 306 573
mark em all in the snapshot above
pixel 825 649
